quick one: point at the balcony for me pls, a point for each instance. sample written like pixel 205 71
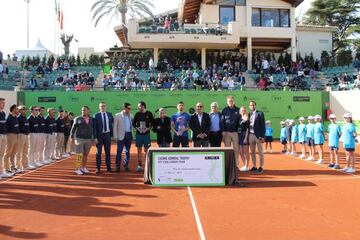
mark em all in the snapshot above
pixel 188 36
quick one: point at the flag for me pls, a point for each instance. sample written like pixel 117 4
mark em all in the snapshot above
pixel 58 11
pixel 62 21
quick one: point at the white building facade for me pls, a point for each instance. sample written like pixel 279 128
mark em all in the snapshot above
pixel 248 25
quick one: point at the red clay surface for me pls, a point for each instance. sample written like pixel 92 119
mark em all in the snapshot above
pixel 292 199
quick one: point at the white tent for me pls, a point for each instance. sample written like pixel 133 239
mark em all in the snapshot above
pixel 39 50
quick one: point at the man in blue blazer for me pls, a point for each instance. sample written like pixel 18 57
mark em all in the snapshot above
pixel 103 132
pixel 256 136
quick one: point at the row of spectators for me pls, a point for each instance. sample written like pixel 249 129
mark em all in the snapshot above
pixel 191 78
pixel 345 82
pixel 262 65
pixel 71 81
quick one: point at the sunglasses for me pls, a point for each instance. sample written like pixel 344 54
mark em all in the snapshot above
pixel 199 106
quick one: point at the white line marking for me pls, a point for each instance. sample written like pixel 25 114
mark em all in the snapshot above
pixel 298 179
pixel 31 171
pixel 47 182
pixel 197 218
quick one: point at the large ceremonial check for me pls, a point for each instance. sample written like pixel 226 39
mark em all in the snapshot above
pixel 188 168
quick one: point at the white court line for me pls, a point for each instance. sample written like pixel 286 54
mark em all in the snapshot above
pixel 78 183
pixel 31 171
pixel 197 218
pixel 89 183
pixel 299 179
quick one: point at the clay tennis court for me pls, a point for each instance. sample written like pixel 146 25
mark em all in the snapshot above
pixel 292 199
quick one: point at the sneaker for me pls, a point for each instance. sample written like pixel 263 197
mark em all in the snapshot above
pixel 5 175
pixel 351 170
pixel 310 159
pixel 320 161
pixel 253 169
pixel 337 166
pixel 65 155
pixel 51 160
pixel 139 169
pixel 57 158
pixel 79 172
pixel 44 162
pixel 9 173
pixel 38 164
pixel 31 167
pixel 244 169
pixel 302 156
pixel 20 171
pixel 331 165
pixel 84 170
pixel 345 169
pixel 260 170
pixel 14 171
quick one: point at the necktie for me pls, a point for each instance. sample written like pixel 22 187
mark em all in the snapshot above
pixel 104 123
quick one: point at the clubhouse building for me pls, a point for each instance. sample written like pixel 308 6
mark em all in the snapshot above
pixel 246 26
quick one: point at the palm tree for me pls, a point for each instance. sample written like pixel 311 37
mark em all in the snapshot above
pixel 114 8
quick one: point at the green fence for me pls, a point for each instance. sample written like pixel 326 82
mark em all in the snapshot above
pixel 276 105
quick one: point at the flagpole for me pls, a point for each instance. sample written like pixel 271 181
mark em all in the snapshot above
pixel 27 24
pixel 55 28
pixel 58 30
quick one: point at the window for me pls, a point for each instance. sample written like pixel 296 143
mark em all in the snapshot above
pixel 256 17
pixel 227 14
pixel 270 17
pixel 231 2
pixel 226 2
pixel 284 18
pixel 240 2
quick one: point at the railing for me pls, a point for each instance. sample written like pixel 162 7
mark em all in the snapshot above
pixel 186 29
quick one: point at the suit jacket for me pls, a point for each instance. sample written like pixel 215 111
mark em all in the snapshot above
pixel 164 133
pixel 119 125
pixel 259 124
pixel 98 126
pixel 198 128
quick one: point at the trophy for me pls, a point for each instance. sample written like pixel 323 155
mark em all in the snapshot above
pixel 142 127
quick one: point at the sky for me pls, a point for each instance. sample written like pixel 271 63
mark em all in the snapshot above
pixel 77 21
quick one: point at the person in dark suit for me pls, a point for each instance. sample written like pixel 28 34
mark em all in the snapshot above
pixel 200 126
pixel 103 131
pixel 162 128
pixel 256 136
